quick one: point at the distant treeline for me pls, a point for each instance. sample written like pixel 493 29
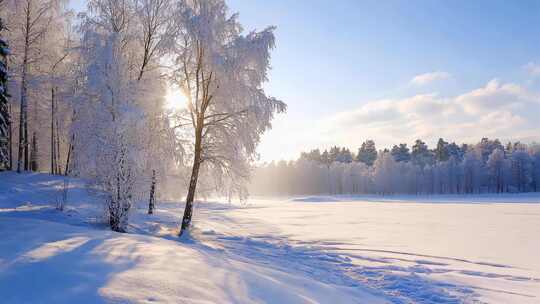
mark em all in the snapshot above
pixel 449 168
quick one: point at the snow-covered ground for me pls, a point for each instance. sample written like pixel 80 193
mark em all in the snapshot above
pixel 440 250
pixel 300 250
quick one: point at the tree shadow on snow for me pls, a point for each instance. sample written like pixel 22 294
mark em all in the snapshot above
pixel 59 267
pixel 400 284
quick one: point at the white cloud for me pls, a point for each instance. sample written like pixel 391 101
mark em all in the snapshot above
pixel 494 96
pixel 507 111
pixel 503 110
pixel 533 68
pixel 371 113
pixel 427 78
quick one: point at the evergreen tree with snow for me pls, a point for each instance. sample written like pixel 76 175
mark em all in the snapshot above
pixel 334 153
pixel 508 149
pixel 455 151
pixel 441 152
pixel 325 158
pixel 345 156
pixel 313 155
pixel 5 161
pixel 401 153
pixel 421 155
pixel 367 153
pixel 487 146
pixel 427 173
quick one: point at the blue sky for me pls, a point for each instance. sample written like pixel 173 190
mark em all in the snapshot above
pixel 334 57
pixel 369 49
pixel 345 68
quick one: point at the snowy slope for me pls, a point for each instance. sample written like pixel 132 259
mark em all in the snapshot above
pixel 47 256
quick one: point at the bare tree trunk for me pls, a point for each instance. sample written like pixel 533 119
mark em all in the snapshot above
pixel 23 147
pixel 57 151
pixel 53 148
pixel 10 139
pixel 152 200
pixel 22 160
pixel 70 150
pixel 188 211
pixel 34 164
pixel 5 122
pixel 26 142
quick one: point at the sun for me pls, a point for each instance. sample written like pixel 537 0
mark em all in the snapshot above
pixel 175 99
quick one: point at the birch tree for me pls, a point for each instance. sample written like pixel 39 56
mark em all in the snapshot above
pixel 29 21
pixel 156 30
pixel 521 169
pixel 497 166
pixel 155 33
pixel 5 120
pixel 221 73
pixel 60 69
pixel 121 132
pixel 105 127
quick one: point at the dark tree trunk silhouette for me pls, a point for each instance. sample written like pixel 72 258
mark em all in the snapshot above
pixel 188 211
pixel 152 200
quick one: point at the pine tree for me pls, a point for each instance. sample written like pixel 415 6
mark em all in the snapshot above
pixel 487 146
pixel 315 155
pixel 334 154
pixel 345 156
pixel 5 124
pixel 401 153
pixel 367 153
pixel 421 155
pixel 34 154
pixel 455 151
pixel 441 152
